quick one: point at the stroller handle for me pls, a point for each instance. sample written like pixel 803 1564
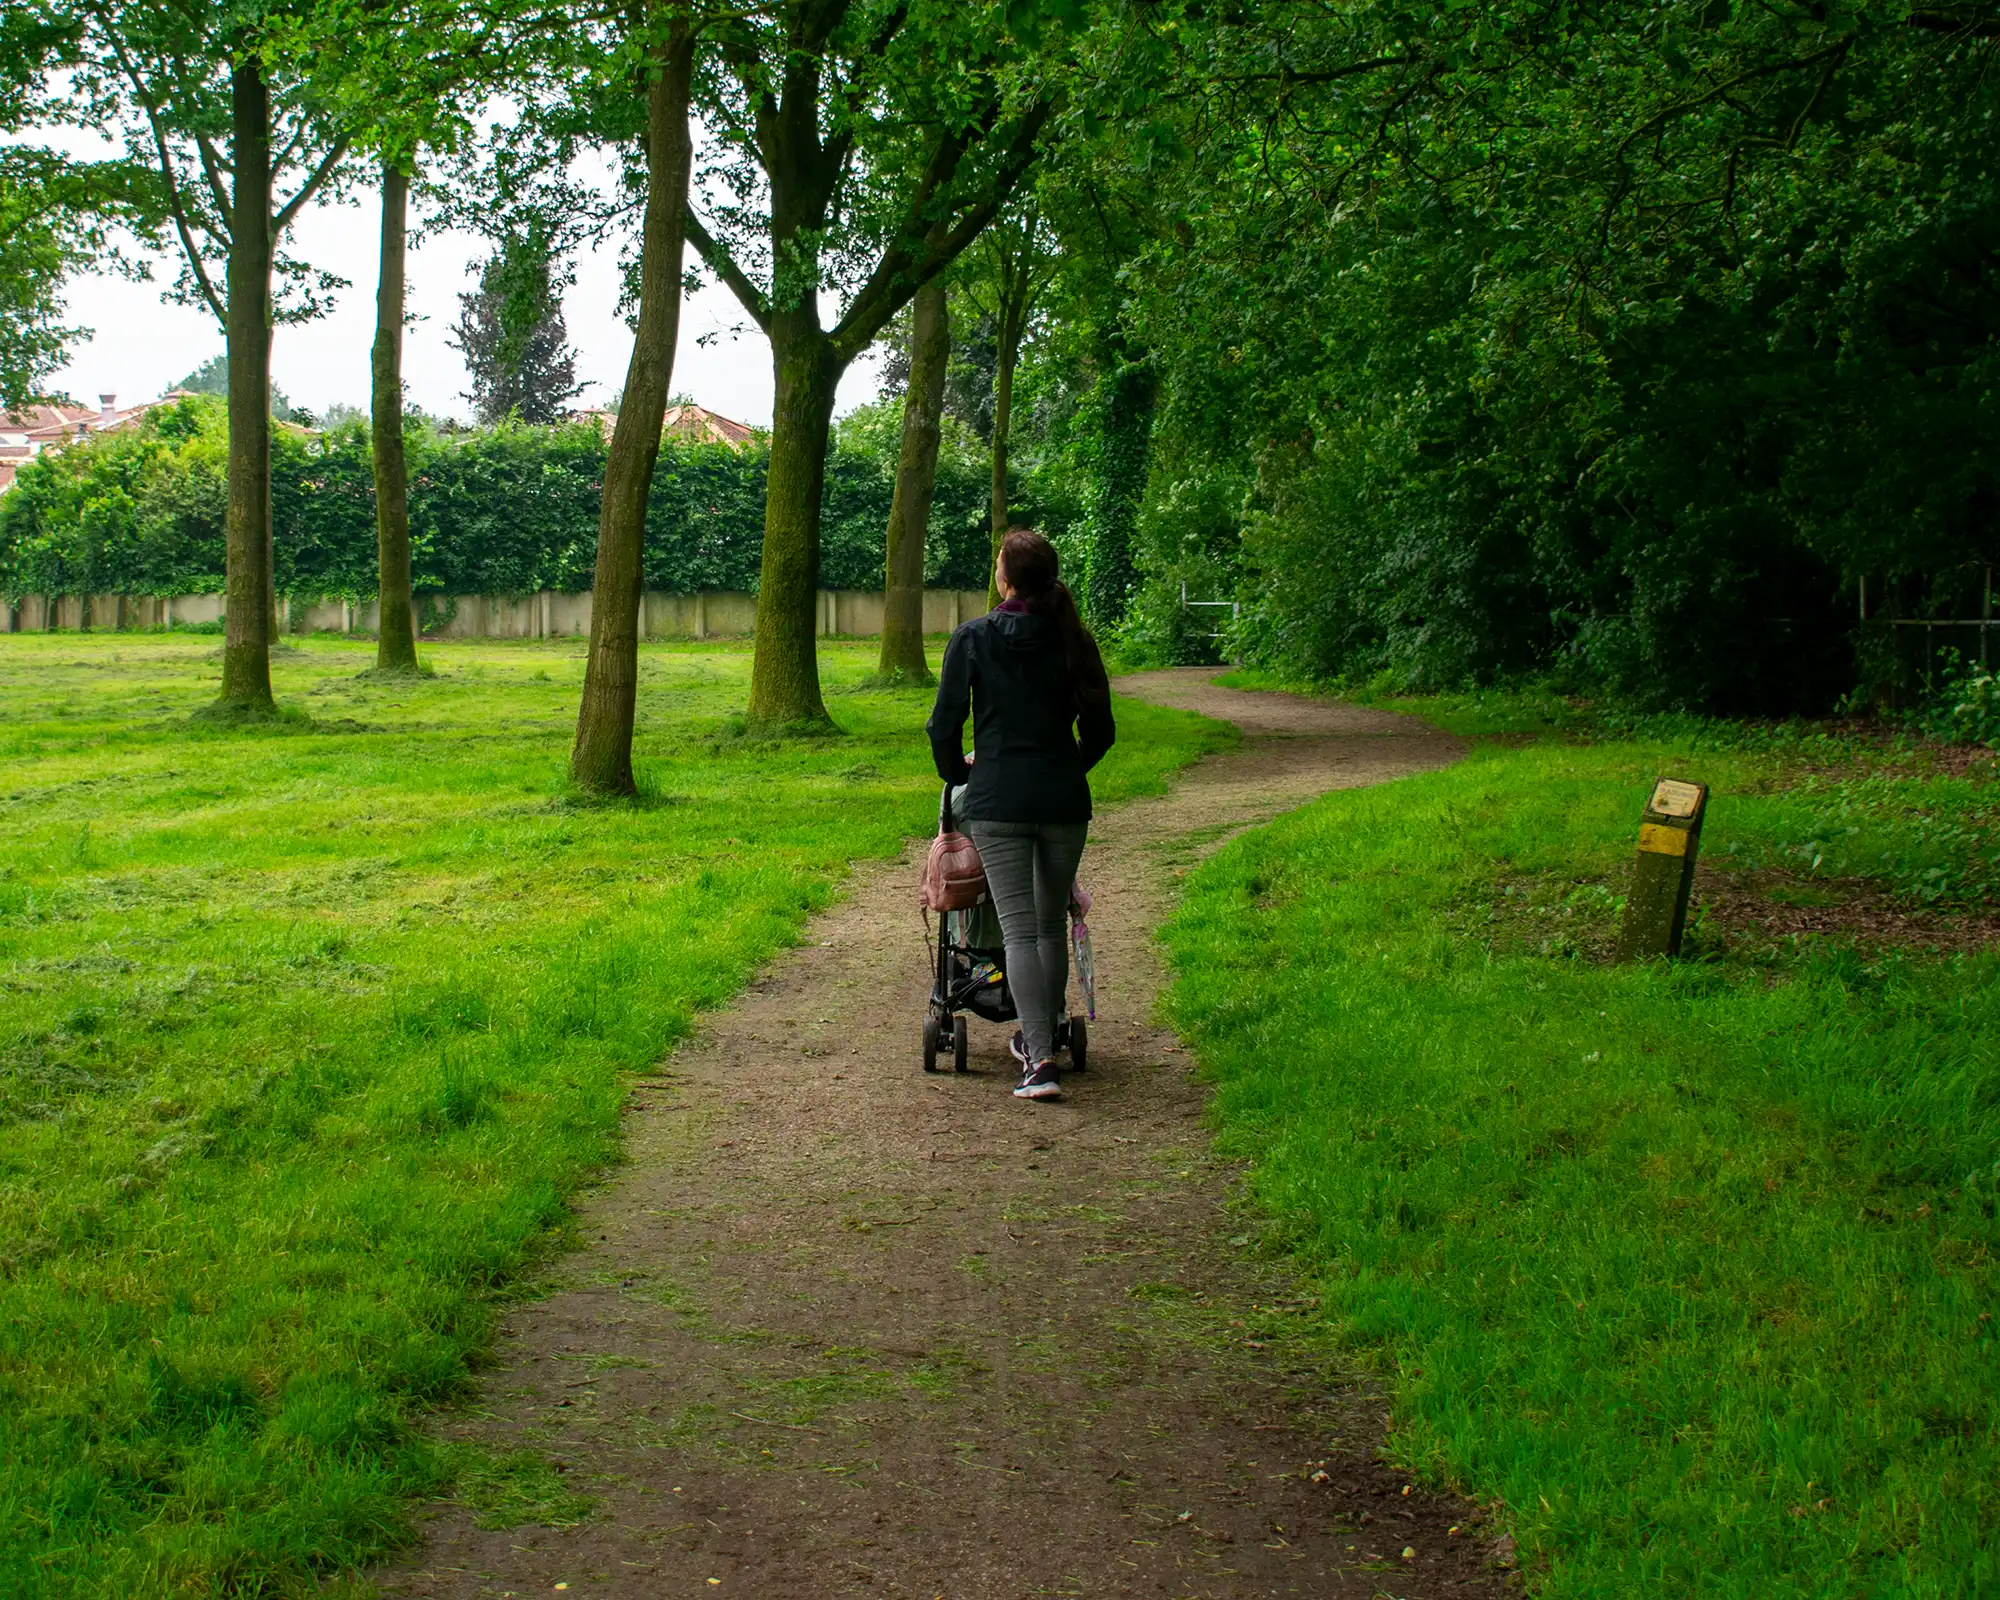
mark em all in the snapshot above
pixel 946 822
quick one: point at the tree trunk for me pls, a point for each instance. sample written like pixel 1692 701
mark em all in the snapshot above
pixel 396 638
pixel 1009 355
pixel 1128 437
pixel 902 658
pixel 784 678
pixel 602 758
pixel 246 643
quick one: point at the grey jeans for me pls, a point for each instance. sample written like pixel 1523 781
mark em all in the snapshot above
pixel 1029 869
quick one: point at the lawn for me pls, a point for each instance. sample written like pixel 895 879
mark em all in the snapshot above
pixel 309 1033
pixel 1694 1265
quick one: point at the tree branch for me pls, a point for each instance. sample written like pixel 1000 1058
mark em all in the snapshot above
pixel 311 186
pixel 715 255
pixel 211 169
pixel 1285 76
pixel 743 62
pixel 1974 27
pixel 175 203
pixel 901 271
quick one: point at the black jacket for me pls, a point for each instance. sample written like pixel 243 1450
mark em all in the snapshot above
pixel 1007 669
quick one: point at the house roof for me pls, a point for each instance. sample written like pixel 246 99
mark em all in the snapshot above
pixel 695 423
pixel 49 426
pixel 45 421
pixel 699 423
pixel 54 424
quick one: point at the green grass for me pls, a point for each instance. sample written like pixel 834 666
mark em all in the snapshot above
pixel 1692 1265
pixel 310 1029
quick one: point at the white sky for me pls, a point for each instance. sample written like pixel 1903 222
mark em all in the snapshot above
pixel 140 344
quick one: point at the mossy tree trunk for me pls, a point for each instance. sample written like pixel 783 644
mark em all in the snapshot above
pixel 396 636
pixel 1003 416
pixel 246 641
pixel 820 88
pixel 784 676
pixel 1018 261
pixel 1127 424
pixel 601 760
pixel 902 658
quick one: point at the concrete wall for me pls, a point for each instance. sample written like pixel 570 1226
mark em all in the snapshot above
pixel 719 614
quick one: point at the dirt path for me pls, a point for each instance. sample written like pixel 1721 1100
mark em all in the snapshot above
pixel 847 1330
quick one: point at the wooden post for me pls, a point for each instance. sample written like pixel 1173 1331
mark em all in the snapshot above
pixel 1663 874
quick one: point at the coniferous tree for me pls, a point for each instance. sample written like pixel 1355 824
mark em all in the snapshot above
pixel 510 331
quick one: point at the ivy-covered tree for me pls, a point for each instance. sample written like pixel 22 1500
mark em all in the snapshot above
pixel 1621 344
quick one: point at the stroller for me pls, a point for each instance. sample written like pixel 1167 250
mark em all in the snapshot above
pixel 971 976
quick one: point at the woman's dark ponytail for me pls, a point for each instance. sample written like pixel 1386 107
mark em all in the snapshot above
pixel 1032 565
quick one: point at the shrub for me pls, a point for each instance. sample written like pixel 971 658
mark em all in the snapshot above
pixel 504 510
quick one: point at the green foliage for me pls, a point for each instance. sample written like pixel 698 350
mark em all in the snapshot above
pixel 310 1033
pixel 1965 706
pixel 510 330
pixel 1110 527
pixel 1617 342
pixel 212 377
pixel 1975 712
pixel 507 510
pixel 56 213
pixel 1690 1264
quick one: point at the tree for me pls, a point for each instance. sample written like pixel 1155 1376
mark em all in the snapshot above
pixel 395 626
pixel 55 218
pixel 56 210
pixel 223 136
pixel 902 658
pixel 1125 431
pixel 865 144
pixel 510 331
pixel 404 74
pixel 212 377
pixel 601 759
pixel 1013 265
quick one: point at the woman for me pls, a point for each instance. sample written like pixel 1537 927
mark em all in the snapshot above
pixel 1030 674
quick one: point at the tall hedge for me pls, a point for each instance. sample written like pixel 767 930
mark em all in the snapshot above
pixel 506 510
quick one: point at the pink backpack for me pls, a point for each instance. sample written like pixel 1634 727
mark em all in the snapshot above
pixel 954 878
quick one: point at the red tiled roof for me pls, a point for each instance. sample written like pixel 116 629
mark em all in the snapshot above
pixel 46 421
pixel 50 426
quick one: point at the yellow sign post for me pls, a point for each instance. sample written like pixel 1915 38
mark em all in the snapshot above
pixel 1663 874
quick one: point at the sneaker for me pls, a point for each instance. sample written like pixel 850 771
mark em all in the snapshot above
pixel 1017 1047
pixel 1044 1083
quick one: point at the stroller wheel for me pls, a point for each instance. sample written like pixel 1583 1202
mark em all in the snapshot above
pixel 958 1044
pixel 1079 1045
pixel 931 1031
